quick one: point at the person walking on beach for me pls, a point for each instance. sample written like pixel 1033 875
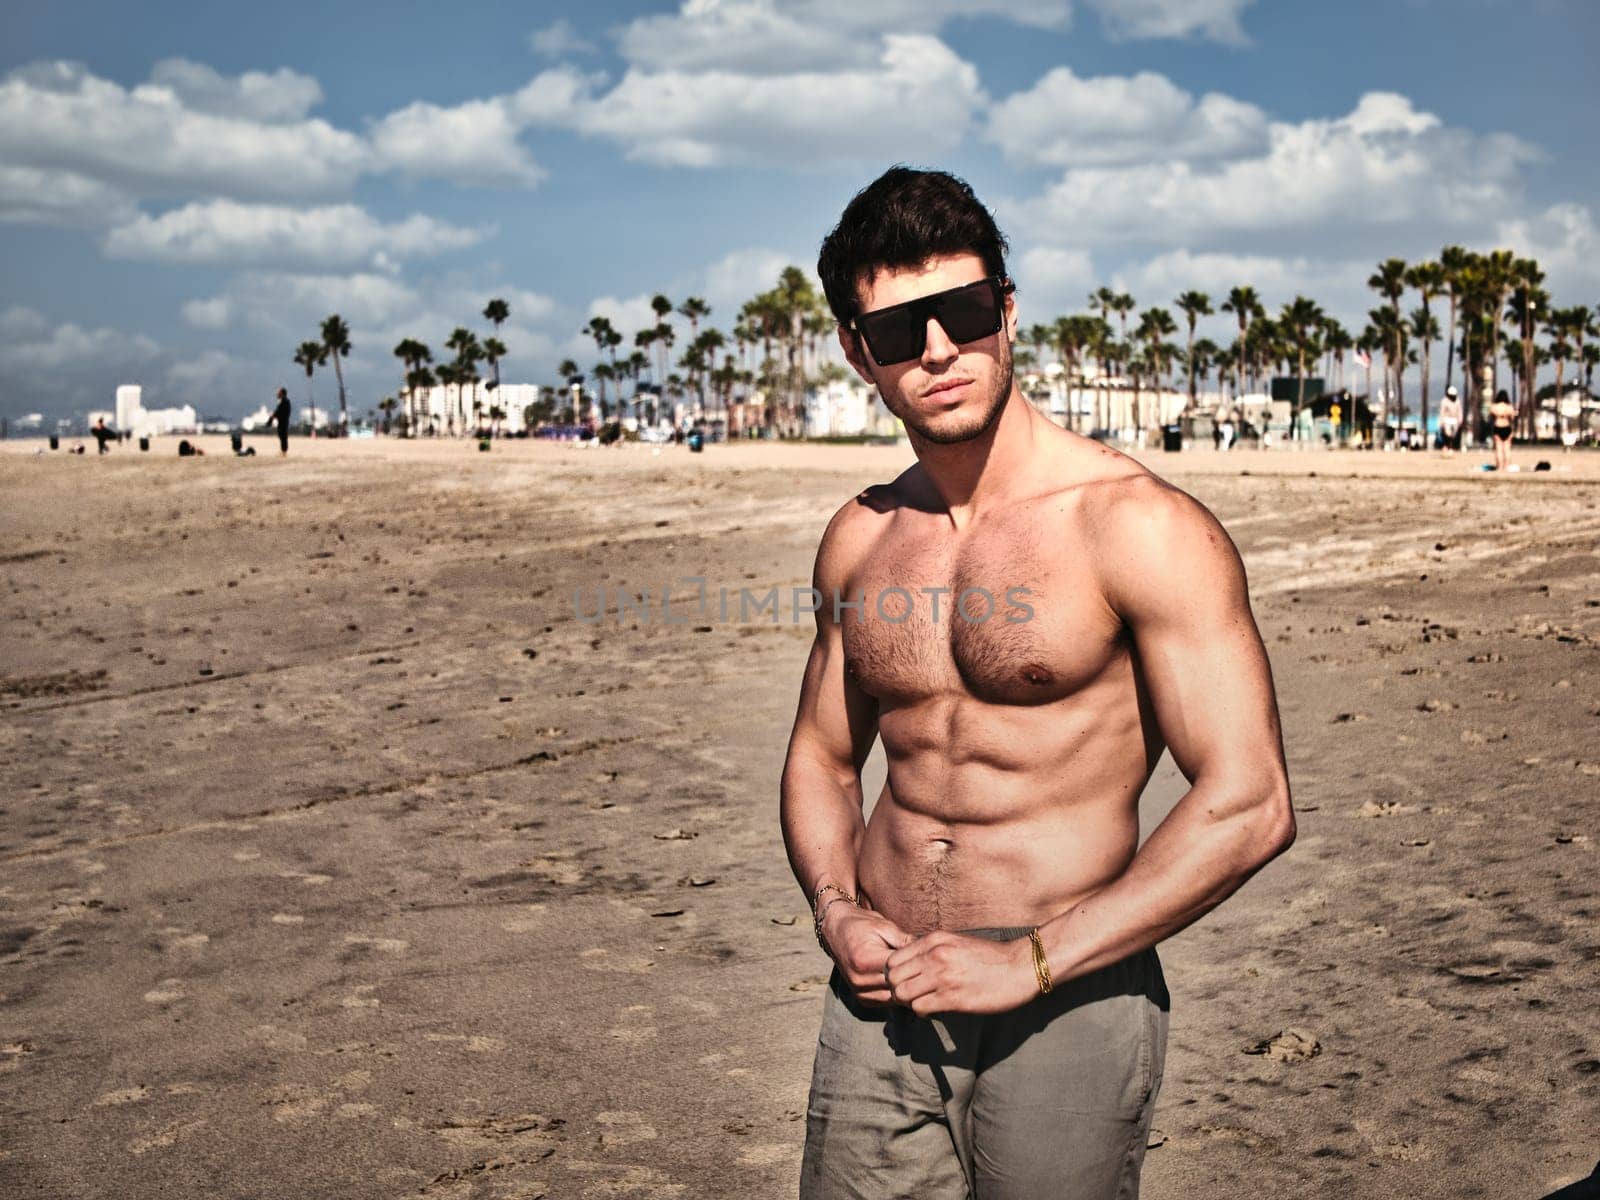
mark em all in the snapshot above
pixel 1502 421
pixel 102 435
pixel 280 417
pixel 1450 421
pixel 1026 618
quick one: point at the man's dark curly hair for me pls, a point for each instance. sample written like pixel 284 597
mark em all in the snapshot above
pixel 901 219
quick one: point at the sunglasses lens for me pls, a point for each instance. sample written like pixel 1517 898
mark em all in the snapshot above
pixel 893 335
pixel 966 314
pixel 969 313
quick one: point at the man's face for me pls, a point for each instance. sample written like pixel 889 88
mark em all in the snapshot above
pixel 953 392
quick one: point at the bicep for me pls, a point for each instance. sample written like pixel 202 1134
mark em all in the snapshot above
pixel 835 721
pixel 1181 590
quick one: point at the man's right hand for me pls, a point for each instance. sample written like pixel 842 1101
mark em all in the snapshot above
pixel 861 941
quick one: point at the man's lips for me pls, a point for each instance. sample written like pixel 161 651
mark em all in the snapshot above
pixel 946 385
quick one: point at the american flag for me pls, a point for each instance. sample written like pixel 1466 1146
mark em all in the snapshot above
pixel 1363 358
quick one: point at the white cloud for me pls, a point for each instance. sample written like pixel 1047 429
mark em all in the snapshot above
pixel 226 231
pixel 282 96
pixel 1566 243
pixel 1051 281
pixel 558 38
pixel 215 381
pixel 57 116
pixel 737 276
pixel 758 37
pixel 1217 20
pixel 36 344
pixel 51 367
pixel 1066 120
pixel 36 196
pixel 474 142
pixel 920 95
pixel 285 304
pixel 1383 165
pixel 215 313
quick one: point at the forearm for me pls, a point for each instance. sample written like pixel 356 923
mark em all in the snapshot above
pixel 1194 861
pixel 822 826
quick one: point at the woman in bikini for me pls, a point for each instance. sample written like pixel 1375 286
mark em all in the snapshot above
pixel 1502 417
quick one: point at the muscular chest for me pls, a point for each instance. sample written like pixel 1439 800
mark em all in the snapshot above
pixel 1011 615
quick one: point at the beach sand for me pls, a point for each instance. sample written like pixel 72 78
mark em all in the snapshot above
pixel 339 859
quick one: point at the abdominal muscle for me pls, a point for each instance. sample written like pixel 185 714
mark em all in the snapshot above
pixel 1012 837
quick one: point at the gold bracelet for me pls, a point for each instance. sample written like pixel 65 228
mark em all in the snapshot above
pixel 816 916
pixel 1041 968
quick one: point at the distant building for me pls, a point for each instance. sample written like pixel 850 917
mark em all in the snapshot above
pixel 848 408
pixel 132 417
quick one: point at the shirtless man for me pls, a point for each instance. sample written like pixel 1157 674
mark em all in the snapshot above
pixel 995 1025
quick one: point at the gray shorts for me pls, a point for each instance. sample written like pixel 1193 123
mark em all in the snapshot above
pixel 1052 1099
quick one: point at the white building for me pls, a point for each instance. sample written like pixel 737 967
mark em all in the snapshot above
pixel 848 408
pixel 438 404
pixel 131 415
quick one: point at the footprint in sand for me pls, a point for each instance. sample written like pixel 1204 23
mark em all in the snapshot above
pixel 623 1129
pixel 381 944
pixel 168 991
pixel 128 1095
pixel 167 1136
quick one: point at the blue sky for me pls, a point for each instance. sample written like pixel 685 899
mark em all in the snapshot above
pixel 186 189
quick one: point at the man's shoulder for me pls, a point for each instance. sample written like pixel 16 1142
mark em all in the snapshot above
pixel 858 523
pixel 1141 522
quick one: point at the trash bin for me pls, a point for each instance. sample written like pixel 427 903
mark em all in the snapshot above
pixel 144 443
pixel 55 442
pixel 483 444
pixel 237 438
pixel 697 441
pixel 1172 438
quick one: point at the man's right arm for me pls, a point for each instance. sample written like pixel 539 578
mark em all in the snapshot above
pixel 821 800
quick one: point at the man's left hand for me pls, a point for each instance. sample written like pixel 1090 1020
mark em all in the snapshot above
pixel 944 972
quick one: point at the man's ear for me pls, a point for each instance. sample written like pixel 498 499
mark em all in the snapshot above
pixel 851 345
pixel 1011 317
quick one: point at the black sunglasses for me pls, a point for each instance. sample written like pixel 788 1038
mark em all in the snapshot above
pixel 967 313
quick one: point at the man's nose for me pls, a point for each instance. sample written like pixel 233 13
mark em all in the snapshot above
pixel 937 348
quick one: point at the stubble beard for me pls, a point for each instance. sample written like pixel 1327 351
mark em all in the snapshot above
pixel 947 436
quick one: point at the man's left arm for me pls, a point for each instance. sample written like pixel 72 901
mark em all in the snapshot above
pixel 1172 575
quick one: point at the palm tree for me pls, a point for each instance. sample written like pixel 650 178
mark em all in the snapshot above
pixel 387 406
pixel 311 355
pixel 1193 305
pixel 336 341
pixel 493 351
pixel 1452 265
pixel 412 354
pixel 1246 305
pixel 497 313
pixel 1155 324
pixel 1390 281
pixel 1425 328
pixel 1301 322
pixel 1428 278
pixel 465 343
pixel 1528 300
pixel 420 377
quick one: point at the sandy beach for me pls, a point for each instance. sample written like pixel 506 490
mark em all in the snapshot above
pixel 339 858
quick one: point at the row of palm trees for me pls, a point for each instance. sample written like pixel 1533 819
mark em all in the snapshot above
pixel 419 372
pixel 1497 312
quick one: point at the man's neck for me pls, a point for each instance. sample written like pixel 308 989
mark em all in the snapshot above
pixel 974 476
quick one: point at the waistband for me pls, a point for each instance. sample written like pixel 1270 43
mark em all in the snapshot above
pixel 999 933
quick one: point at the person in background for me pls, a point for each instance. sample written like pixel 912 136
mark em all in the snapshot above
pixel 1502 421
pixel 1450 421
pixel 280 417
